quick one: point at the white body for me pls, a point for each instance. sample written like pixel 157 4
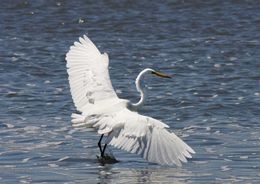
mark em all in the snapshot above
pixel 94 96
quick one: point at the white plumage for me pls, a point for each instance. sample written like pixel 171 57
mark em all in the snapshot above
pixel 88 74
pixel 94 96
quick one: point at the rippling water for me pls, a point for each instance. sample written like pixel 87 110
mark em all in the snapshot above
pixel 213 102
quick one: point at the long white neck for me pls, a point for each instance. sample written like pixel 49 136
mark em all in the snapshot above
pixel 140 89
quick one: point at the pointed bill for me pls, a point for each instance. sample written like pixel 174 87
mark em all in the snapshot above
pixel 159 74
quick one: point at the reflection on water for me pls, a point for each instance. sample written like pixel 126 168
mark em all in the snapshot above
pixel 213 101
pixel 144 175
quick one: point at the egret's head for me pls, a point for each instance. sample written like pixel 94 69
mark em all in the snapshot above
pixel 150 71
pixel 159 74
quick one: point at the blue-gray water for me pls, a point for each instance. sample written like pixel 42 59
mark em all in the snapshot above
pixel 213 102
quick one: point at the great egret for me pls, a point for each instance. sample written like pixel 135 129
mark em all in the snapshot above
pixel 117 119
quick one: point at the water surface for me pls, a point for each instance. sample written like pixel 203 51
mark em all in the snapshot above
pixel 213 102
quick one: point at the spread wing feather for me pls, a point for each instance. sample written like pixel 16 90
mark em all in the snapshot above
pixel 145 136
pixel 88 74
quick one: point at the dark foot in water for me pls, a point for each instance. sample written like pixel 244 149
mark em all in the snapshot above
pixel 107 159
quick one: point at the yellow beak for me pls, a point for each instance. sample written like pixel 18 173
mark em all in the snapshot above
pixel 159 74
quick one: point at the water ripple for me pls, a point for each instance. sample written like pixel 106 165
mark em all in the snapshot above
pixel 213 101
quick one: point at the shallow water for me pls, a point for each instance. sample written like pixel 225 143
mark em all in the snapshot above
pixel 213 102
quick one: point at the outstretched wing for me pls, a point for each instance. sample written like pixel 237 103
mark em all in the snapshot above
pixel 88 74
pixel 145 136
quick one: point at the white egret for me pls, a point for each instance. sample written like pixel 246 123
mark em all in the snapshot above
pixel 115 118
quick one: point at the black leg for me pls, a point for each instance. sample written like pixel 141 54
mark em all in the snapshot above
pixel 105 159
pixel 99 144
pixel 103 152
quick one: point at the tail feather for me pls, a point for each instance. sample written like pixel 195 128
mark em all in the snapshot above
pixel 79 120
